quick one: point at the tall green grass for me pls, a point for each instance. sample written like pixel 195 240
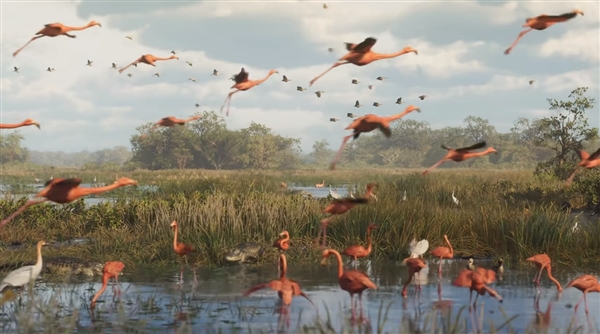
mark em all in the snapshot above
pixel 501 213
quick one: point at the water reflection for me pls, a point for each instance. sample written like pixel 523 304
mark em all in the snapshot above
pixel 216 301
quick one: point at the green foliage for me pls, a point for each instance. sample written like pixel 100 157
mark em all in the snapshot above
pixel 11 150
pixel 564 133
pixel 215 213
pixel 207 143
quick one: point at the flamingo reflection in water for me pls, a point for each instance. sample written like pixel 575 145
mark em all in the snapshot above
pixel 285 287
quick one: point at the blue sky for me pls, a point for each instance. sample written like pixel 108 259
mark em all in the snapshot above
pixel 460 66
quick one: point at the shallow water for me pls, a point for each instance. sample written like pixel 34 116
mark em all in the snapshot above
pixel 91 200
pixel 215 302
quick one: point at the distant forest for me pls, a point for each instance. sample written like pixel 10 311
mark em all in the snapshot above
pixel 208 144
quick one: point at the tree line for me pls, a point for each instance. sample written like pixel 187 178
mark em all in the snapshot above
pixel 546 143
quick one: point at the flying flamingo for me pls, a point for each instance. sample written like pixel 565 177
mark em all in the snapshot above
pixel 461 154
pixel 339 206
pixel 542 261
pixel 414 267
pixel 368 123
pixel 26 122
pixel 56 29
pixel 243 84
pixel 148 59
pixel 587 161
pixel 63 191
pixel 356 251
pixel 443 253
pixel 542 22
pixel 475 281
pixel 585 284
pixel 353 281
pixel 182 250
pixel 285 287
pixel 172 121
pixel 361 55
pixel 111 270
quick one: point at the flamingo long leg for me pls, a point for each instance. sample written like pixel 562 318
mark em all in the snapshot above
pixel 570 179
pixel 20 210
pixel 126 67
pixel 339 63
pixel 517 40
pixel 228 101
pixel 339 152
pixel 23 47
pixel 579 302
pixel 433 167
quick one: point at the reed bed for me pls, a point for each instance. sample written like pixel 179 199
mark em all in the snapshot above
pixel 501 213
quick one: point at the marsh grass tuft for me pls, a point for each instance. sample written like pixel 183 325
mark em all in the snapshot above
pixel 501 213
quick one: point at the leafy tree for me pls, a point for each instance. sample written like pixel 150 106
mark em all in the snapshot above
pixel 321 152
pixel 11 150
pixel 565 132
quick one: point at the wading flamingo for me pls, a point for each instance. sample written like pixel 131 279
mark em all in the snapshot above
pixel 356 251
pixel 285 287
pixel 542 261
pixel 361 55
pixel 414 267
pixel 148 59
pixel 26 122
pixel 443 253
pixel 353 281
pixel 111 270
pixel 243 84
pixel 172 121
pixel 341 206
pixel 56 29
pixel 320 185
pixel 182 250
pixel 585 284
pixel 63 191
pixel 283 243
pixel 542 22
pixel 461 154
pixel 368 123
pixel 21 276
pixel 475 281
pixel 587 161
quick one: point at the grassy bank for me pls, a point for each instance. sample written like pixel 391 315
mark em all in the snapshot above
pixel 502 213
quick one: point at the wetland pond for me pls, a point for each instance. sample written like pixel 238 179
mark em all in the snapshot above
pixel 154 301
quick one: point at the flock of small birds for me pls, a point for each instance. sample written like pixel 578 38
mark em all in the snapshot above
pixel 60 190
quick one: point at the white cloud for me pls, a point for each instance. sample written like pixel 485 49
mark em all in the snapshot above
pixel 96 101
pixel 581 43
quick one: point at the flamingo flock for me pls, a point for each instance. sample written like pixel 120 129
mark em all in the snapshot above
pixel 355 282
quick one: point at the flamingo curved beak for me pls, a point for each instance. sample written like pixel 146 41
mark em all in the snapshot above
pixel 37 124
pixel 324 262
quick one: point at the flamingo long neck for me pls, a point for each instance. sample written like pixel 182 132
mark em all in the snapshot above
pixel 369 243
pixel 283 263
pixel 449 245
pixel 477 154
pixel 396 117
pixel 549 268
pixel 89 191
pixel 286 239
pixel 339 260
pixel 104 284
pixel 12 126
pixel 379 56
pixel 258 82
pixel 163 58
pixel 175 237
pixel 82 27
pixel 193 118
